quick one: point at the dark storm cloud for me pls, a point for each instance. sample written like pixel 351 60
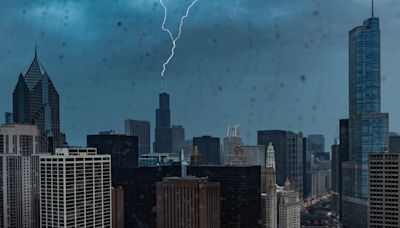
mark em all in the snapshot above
pixel 262 63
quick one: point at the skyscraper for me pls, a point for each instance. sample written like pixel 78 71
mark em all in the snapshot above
pixel 188 202
pixel 288 148
pixel 288 207
pixel 384 195
pixel 163 131
pixel 316 143
pixel 19 179
pixel 178 138
pixel 230 141
pixel 141 129
pixel 75 189
pixel 394 142
pixel 122 148
pixel 209 148
pixel 36 101
pixel 368 127
pixel 271 209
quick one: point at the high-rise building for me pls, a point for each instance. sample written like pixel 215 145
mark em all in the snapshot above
pixel 321 178
pixel 122 148
pixel 255 155
pixel 75 189
pixel 178 138
pixel 288 207
pixel 230 141
pixel 384 194
pixel 209 148
pixel 8 118
pixel 117 203
pixel 188 202
pixel 36 101
pixel 307 162
pixel 19 179
pixel 316 143
pixel 271 209
pixel 288 148
pixel 343 157
pixel 394 142
pixel 239 185
pixel 163 131
pixel 368 127
pixel 335 164
pixel 237 158
pixel 141 129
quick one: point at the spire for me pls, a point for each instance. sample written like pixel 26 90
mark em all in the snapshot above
pixel 372 9
pixel 35 50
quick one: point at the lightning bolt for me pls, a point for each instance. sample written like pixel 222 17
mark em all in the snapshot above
pixel 174 40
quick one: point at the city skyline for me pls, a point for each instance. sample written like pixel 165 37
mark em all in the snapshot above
pixel 260 94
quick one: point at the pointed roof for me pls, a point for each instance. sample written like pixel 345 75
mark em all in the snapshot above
pixel 34 73
pixel 270 160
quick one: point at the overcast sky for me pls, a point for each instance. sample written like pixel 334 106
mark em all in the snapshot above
pixel 265 64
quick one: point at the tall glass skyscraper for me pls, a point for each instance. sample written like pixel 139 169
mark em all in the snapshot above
pixel 163 131
pixel 368 127
pixel 36 101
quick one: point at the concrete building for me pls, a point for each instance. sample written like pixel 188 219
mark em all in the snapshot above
pixel 394 142
pixel 288 148
pixel 384 194
pixel 321 178
pixel 288 207
pixel 271 210
pixel 240 193
pixel 19 179
pixel 237 158
pixel 75 189
pixel 255 155
pixel 117 203
pixel 188 202
pixel 230 141
pixel 140 129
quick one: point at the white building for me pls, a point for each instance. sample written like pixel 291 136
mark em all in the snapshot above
pixel 19 180
pixel 271 209
pixel 75 189
pixel 288 207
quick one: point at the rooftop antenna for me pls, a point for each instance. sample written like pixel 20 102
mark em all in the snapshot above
pixel 35 50
pixel 372 8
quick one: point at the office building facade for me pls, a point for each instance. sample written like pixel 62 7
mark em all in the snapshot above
pixel 19 180
pixel 188 202
pixel 230 141
pixel 384 194
pixel 75 189
pixel 163 131
pixel 239 188
pixel 288 148
pixel 140 129
pixel 288 207
pixel 368 127
pixel 209 148
pixel 36 101
pixel 122 148
pixel 178 138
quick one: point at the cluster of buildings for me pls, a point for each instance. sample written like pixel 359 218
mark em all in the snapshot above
pixel 125 180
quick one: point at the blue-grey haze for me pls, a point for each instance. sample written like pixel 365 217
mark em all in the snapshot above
pixel 266 64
